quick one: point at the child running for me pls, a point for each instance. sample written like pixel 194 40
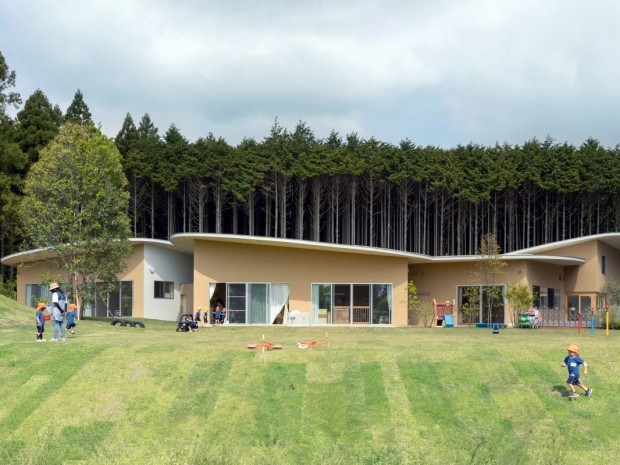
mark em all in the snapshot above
pixel 71 316
pixel 40 319
pixel 572 361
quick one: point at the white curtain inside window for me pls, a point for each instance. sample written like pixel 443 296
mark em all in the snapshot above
pixel 278 297
pixel 315 303
pixel 257 297
pixel 211 291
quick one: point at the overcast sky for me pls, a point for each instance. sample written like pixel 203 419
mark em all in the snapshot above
pixel 438 72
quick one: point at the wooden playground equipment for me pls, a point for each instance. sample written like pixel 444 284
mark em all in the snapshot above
pixel 263 346
pixel 441 309
pixel 313 342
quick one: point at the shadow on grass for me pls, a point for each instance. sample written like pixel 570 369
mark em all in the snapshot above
pixel 561 389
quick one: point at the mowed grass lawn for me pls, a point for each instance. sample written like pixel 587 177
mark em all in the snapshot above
pixel 113 395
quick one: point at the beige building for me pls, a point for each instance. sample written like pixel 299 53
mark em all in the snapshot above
pixel 267 281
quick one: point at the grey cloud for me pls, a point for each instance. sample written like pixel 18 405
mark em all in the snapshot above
pixel 442 73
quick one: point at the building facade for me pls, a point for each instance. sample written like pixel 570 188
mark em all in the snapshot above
pixel 264 281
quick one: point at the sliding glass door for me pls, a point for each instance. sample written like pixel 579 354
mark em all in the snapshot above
pixel 351 304
pixel 253 303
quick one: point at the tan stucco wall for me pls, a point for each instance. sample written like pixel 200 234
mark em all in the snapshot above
pixel 135 272
pixel 613 262
pixel 439 281
pixel 31 273
pixel 545 275
pixel 582 278
pixel 225 262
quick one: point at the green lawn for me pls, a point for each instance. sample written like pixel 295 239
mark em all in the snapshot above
pixel 374 396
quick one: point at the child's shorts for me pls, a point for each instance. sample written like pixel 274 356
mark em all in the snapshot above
pixel 574 380
pixel 71 325
pixel 40 329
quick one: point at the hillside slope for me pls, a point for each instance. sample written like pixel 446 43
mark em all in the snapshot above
pixel 12 313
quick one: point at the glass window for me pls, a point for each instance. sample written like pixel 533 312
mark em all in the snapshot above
pixel 164 290
pixel 126 298
pixel 321 304
pixel 342 304
pixel 103 300
pixel 236 302
pixel 604 264
pixel 536 293
pixel 257 297
pixel 36 293
pixel 469 304
pixel 381 303
pixel 361 303
pixel 351 303
pixel 573 308
pixel 478 304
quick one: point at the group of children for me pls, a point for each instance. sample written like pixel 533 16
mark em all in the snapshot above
pixel 219 315
pixel 68 324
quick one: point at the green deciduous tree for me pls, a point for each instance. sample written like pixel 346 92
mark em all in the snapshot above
pixel 520 298
pixel 490 266
pixel 75 204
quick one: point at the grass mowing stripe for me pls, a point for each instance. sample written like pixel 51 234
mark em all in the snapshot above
pixel 232 424
pixel 202 388
pixel 57 370
pixel 279 411
pixel 432 408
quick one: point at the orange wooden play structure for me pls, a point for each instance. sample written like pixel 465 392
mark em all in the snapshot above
pixel 441 309
pixel 265 345
pixel 313 343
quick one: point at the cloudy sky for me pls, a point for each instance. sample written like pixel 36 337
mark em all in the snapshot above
pixel 440 72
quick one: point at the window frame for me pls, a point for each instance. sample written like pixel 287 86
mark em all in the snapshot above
pixel 165 288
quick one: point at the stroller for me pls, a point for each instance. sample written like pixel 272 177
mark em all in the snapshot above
pixel 186 323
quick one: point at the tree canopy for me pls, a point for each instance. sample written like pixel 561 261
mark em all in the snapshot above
pixel 75 203
pixel 342 189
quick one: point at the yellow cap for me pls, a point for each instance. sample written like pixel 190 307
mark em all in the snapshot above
pixel 573 348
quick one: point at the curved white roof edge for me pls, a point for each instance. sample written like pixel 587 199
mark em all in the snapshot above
pixel 45 253
pixel 611 239
pixel 185 242
pixel 555 259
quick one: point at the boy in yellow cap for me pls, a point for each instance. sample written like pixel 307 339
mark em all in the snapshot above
pixel 71 316
pixel 40 319
pixel 572 361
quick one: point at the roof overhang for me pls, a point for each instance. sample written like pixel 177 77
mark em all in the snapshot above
pixel 185 242
pixel 47 253
pixel 611 239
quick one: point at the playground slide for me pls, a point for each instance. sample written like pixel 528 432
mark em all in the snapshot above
pixel 449 322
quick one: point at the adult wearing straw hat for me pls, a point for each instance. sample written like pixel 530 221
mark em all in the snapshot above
pixel 58 310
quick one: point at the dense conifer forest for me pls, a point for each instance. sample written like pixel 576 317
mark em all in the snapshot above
pixel 341 189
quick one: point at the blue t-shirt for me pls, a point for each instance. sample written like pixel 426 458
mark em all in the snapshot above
pixel 71 317
pixel 40 318
pixel 572 363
